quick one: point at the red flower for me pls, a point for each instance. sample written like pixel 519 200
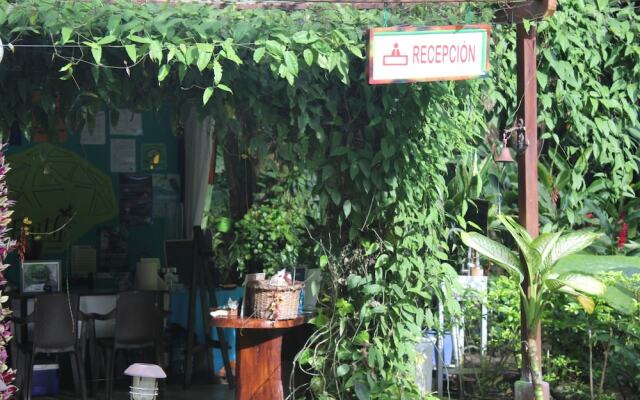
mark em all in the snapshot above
pixel 622 239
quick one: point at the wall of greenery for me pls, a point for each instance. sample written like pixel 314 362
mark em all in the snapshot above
pixel 589 154
pixel 588 106
pixel 289 88
pixel 599 350
pixel 377 155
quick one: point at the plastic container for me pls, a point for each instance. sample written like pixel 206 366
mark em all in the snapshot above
pixel 445 352
pixel 313 278
pixel 46 381
pixel 424 364
pixel 301 304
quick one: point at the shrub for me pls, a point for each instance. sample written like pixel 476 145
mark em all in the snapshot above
pixel 566 343
pixel 6 246
pixel 268 237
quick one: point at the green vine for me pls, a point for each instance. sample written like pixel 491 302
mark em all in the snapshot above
pixel 588 74
pixel 291 86
pixel 86 55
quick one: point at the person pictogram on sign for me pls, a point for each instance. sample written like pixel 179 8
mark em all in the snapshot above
pixel 395 58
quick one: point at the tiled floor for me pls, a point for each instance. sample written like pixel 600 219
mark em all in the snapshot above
pixel 195 392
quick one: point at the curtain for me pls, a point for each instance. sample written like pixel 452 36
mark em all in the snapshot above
pixel 198 145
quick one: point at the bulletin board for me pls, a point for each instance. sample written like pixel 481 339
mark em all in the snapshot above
pixel 94 148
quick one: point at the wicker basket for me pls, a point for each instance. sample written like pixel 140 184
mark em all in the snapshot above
pixel 274 302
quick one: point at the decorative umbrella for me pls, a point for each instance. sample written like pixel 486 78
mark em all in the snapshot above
pixel 60 192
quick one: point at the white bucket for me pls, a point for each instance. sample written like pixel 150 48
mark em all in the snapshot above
pixel 143 389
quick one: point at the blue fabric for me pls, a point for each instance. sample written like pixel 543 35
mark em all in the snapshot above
pixel 180 314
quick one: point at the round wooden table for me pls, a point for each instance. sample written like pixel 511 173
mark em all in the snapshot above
pixel 258 348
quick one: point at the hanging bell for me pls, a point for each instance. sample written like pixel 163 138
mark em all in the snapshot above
pixel 505 154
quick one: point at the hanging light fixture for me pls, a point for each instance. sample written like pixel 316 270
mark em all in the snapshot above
pixel 145 380
pixel 520 145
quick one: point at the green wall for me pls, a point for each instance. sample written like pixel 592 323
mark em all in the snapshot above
pixel 144 241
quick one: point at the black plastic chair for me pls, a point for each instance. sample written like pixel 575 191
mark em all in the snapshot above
pixel 56 326
pixel 139 318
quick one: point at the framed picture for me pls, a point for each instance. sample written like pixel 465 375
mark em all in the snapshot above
pixel 153 157
pixel 40 276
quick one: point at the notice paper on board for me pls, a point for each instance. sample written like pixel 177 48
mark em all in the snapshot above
pixel 129 124
pixel 97 135
pixel 123 155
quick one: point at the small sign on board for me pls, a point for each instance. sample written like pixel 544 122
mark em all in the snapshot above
pixel 419 54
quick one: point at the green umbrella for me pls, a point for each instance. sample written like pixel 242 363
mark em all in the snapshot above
pixel 60 192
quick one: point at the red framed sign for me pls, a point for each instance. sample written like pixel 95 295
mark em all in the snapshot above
pixel 434 53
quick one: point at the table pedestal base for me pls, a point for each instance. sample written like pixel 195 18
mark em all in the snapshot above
pixel 259 364
pixel 258 354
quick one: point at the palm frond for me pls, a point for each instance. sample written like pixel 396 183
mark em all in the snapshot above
pixel 496 252
pixel 579 282
pixel 572 243
pixel 593 264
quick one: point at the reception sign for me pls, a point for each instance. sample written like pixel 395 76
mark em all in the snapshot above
pixel 434 53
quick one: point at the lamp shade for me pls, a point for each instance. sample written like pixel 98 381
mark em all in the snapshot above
pixel 145 384
pixel 145 371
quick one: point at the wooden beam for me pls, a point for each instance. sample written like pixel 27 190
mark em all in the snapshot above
pixel 512 11
pixel 515 12
pixel 345 2
pixel 527 96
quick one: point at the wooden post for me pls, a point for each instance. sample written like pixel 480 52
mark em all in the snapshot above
pixel 527 96
pixel 528 161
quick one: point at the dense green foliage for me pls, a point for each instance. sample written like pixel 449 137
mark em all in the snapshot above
pixel 7 244
pixel 588 85
pixel 126 54
pixel 377 155
pixel 606 333
pixel 270 235
pixel 549 263
pixel 588 178
pixel 566 336
pixel 588 74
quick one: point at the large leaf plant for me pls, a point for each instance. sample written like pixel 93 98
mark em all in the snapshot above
pixel 551 264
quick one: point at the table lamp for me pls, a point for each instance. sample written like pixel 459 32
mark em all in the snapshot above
pixel 145 380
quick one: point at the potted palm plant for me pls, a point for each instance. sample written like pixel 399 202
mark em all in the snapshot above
pixel 551 263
